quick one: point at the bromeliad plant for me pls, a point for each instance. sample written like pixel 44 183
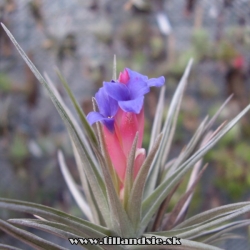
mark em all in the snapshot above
pixel 126 191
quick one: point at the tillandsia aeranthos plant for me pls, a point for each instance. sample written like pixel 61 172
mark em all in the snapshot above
pixel 126 191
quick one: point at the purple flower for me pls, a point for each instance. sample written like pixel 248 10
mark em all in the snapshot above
pixel 107 109
pixel 130 89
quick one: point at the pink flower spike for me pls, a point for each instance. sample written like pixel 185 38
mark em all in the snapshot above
pixel 128 129
pixel 115 151
pixel 123 77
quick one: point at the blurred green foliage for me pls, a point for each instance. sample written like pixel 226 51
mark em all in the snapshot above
pixel 231 161
pixel 5 83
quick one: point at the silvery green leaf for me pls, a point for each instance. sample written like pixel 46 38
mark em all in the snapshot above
pixel 129 176
pixel 173 112
pixel 232 226
pixel 90 170
pixel 158 118
pixel 53 214
pixel 28 238
pixel 62 231
pixel 86 156
pixel 73 120
pixel 185 245
pixel 228 236
pixel 188 150
pixel 215 116
pixel 192 179
pixel 213 223
pixel 57 229
pixel 202 219
pixel 152 203
pixel 175 212
pixel 219 230
pixel 167 168
pixel 212 214
pixel 8 247
pixel 78 109
pixel 80 200
pixel 135 200
pixel 171 132
pixel 97 216
pixel 168 128
pixel 161 213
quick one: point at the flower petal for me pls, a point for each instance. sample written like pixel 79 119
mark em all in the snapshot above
pixel 133 75
pixel 137 84
pixel 107 105
pixel 138 88
pixel 117 91
pixel 133 106
pixel 156 82
pixel 94 117
pixel 109 123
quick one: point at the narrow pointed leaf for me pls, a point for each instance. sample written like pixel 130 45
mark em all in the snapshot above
pixel 189 149
pixel 80 200
pixel 158 118
pixel 192 178
pixel 205 225
pixel 55 215
pixel 212 214
pixel 58 229
pixel 28 238
pixel 192 233
pixel 152 203
pixel 236 225
pixel 162 210
pixel 8 247
pixel 78 109
pixel 171 133
pixel 228 237
pixel 202 219
pixel 96 186
pixel 173 232
pixel 75 125
pixel 174 213
pixel 135 200
pixel 215 116
pixel 97 216
pixel 185 245
pixel 172 112
pixel 219 230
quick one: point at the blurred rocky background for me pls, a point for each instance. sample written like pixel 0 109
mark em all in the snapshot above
pixel 154 37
